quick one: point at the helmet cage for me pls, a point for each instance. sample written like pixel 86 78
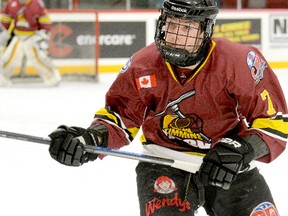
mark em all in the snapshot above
pixel 183 55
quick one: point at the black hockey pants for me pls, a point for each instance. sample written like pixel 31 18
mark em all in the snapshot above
pixel 165 191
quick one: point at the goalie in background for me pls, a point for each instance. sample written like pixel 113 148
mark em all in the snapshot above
pixel 31 40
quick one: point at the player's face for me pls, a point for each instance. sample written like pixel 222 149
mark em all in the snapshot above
pixel 183 34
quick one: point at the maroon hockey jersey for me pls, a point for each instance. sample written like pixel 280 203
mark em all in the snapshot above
pixel 234 91
pixel 28 17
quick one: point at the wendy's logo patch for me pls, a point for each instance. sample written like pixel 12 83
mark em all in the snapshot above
pixel 164 185
pixel 167 198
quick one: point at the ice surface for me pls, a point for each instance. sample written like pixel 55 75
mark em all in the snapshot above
pixel 33 184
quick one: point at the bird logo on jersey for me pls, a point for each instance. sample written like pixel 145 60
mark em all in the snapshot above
pixel 187 128
pixel 256 65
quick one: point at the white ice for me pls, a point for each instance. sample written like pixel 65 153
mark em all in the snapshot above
pixel 33 184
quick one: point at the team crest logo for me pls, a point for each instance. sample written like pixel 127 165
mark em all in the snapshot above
pixel 164 185
pixel 184 127
pixel 265 209
pixel 256 65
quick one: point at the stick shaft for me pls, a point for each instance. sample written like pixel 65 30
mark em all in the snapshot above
pixel 24 137
pixel 90 149
pixel 187 166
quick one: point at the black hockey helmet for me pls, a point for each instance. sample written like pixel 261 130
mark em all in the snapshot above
pixel 201 11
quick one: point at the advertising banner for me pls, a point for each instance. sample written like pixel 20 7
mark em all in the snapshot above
pixel 73 40
pixel 76 40
pixel 121 39
pixel 239 30
pixel 120 36
pixel 279 29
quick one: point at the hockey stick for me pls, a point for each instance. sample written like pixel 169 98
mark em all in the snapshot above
pixel 183 165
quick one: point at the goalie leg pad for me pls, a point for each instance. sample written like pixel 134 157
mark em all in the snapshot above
pixel 4 35
pixel 11 57
pixel 42 63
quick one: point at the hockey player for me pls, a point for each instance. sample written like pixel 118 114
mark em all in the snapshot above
pixel 191 94
pixel 31 36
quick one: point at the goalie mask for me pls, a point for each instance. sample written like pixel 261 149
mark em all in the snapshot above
pixel 184 30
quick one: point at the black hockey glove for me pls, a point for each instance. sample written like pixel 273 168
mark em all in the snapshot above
pixel 222 163
pixel 67 143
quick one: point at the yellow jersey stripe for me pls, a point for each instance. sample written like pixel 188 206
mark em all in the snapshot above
pixel 202 65
pixel 277 126
pixel 23 33
pixel 171 71
pixel 5 19
pixel 44 20
pixel 104 114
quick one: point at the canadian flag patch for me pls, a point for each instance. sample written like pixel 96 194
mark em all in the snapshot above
pixel 146 82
